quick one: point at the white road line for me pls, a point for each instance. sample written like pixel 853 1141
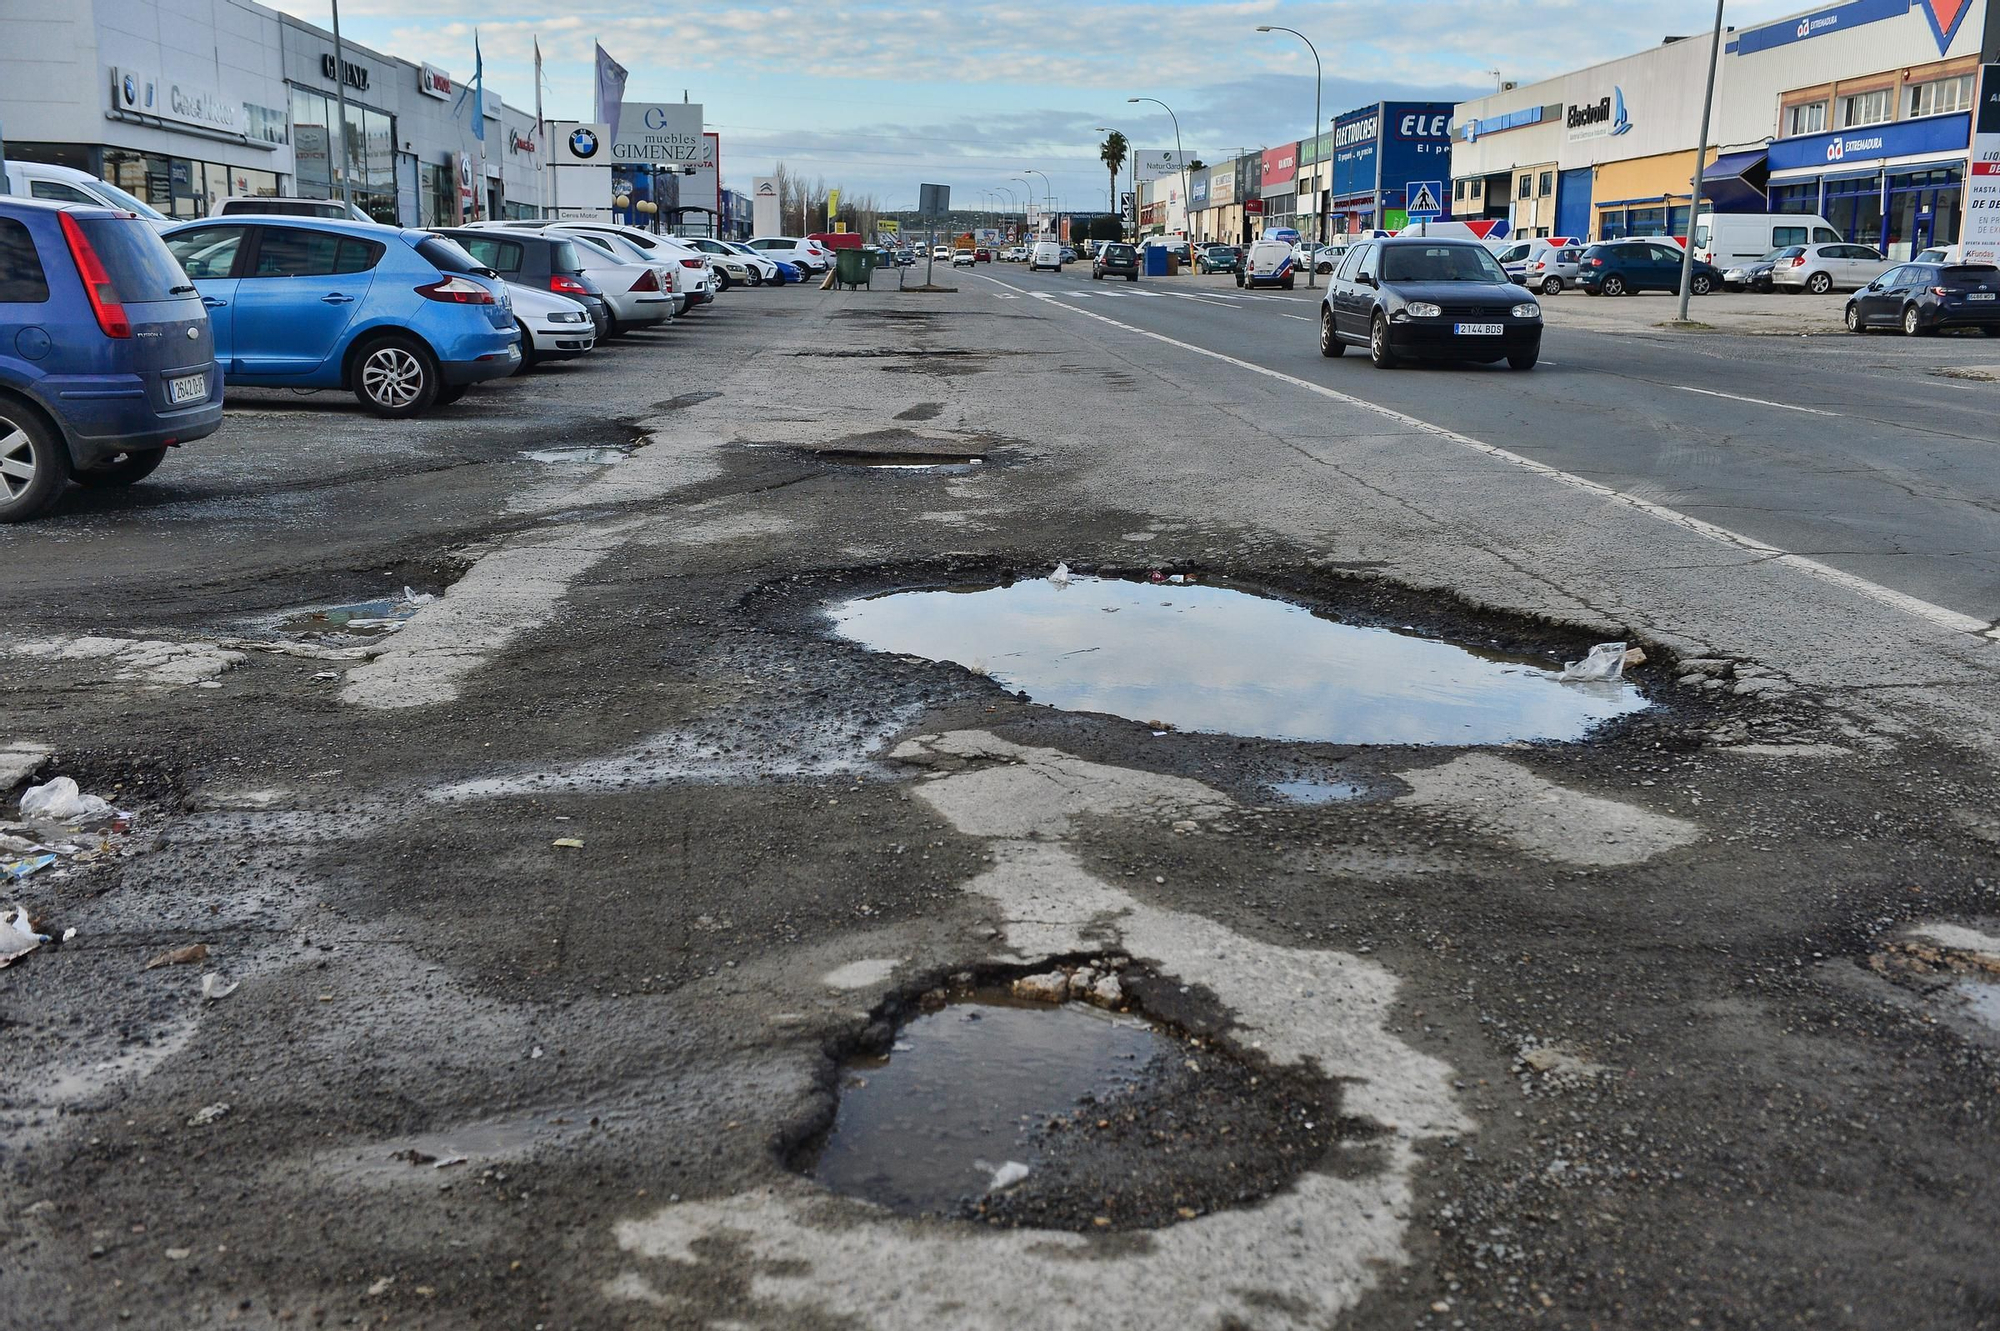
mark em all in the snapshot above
pixel 1938 615
pixel 1300 317
pixel 1781 406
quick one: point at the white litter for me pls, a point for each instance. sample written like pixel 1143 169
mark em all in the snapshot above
pixel 1606 661
pixel 1061 576
pixel 417 598
pixel 214 987
pixel 61 801
pixel 207 1114
pixel 1008 1175
pixel 17 937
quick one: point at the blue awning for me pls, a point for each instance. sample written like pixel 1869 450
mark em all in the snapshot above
pixel 1738 182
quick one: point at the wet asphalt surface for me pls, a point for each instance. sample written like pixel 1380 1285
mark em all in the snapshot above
pixel 476 1078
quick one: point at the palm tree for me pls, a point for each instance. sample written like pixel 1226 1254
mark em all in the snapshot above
pixel 1112 154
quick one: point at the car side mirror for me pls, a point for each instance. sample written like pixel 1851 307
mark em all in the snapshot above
pixel 1364 279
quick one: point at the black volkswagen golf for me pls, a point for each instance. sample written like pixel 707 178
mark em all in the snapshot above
pixel 1409 297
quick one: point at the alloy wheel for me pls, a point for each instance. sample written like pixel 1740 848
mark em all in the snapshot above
pixel 17 461
pixel 392 376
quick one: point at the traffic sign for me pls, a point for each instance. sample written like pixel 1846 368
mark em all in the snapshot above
pixel 1426 199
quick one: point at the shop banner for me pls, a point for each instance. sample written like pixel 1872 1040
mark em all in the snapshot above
pixel 1982 183
pixel 1152 163
pixel 1902 138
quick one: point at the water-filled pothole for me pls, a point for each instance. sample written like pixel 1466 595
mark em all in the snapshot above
pixel 1066 1116
pixel 1224 661
pixel 861 457
pixel 583 457
pixel 362 619
pixel 1318 792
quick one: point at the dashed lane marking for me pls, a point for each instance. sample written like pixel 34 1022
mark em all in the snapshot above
pixel 1758 401
pixel 1941 616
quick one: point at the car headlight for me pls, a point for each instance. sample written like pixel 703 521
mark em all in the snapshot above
pixel 1527 310
pixel 1422 309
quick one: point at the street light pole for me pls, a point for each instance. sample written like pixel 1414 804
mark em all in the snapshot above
pixel 1700 165
pixel 1028 201
pixel 1319 76
pixel 1178 153
pixel 340 93
pixel 1048 192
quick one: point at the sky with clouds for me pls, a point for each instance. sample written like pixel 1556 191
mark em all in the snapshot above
pixel 880 96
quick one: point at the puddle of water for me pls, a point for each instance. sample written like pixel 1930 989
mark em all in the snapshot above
pixel 1221 661
pixel 855 457
pixel 1982 1000
pixel 363 619
pixel 1318 792
pixel 585 457
pixel 963 1092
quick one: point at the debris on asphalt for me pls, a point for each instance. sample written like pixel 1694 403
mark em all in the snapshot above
pixel 180 956
pixel 1606 661
pixel 567 843
pixel 18 937
pixel 1634 656
pixel 1061 576
pixel 60 801
pixel 19 869
pixel 1007 1176
pixel 208 1114
pixel 214 987
pixel 1051 987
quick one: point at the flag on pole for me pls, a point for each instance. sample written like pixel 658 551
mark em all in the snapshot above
pixel 478 90
pixel 610 91
pixel 539 122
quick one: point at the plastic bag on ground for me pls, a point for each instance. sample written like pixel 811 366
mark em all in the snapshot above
pixel 17 937
pixel 1606 661
pixel 61 801
pixel 1061 576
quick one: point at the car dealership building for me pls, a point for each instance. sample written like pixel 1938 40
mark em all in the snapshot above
pixel 1859 111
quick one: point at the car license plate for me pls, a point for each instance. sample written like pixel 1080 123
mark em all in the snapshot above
pixel 193 388
pixel 1979 295
pixel 1479 330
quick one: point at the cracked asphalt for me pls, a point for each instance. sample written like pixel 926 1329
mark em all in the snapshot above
pixel 553 912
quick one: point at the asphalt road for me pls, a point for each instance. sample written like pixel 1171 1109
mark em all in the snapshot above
pixel 553 927
pixel 1849 450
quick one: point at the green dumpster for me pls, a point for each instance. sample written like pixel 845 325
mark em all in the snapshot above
pixel 852 268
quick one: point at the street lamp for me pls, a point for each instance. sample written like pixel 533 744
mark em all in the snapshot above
pixel 1177 146
pixel 1048 188
pixel 1312 259
pixel 1029 197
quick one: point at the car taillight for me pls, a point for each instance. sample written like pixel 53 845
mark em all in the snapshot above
pixel 97 283
pixel 456 291
pixel 568 286
pixel 1799 262
pixel 647 281
pixel 1594 263
pixel 1940 291
pixel 690 263
pixel 1539 265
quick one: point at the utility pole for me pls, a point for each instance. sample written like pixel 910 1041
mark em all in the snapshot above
pixel 1319 77
pixel 1178 153
pixel 1700 165
pixel 340 93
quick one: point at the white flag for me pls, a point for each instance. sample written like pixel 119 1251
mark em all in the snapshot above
pixel 610 91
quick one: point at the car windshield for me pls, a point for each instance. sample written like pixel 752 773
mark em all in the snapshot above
pixel 1440 263
pixel 137 205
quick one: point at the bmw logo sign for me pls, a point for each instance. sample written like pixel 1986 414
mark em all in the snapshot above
pixel 583 142
pixel 131 91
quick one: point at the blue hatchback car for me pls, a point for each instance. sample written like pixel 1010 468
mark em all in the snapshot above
pixel 106 357
pixel 404 319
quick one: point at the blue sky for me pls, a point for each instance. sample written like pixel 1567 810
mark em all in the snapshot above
pixel 881 96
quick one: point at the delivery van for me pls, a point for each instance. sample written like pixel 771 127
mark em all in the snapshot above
pixel 1730 240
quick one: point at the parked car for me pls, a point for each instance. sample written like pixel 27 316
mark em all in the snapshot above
pixel 287 206
pixel 1517 259
pixel 107 356
pixel 633 289
pixel 1550 270
pixel 695 276
pixel 1115 259
pixel 1327 257
pixel 1939 254
pixel 756 269
pixel 537 259
pixel 1627 267
pixel 1410 297
pixel 404 319
pixel 1823 268
pixel 1924 298
pixel 1046 254
pixel 1068 254
pixel 1756 275
pixel 66 184
pixel 1268 263
pixel 774 271
pixel 1218 259
pixel 807 254
pixel 552 327
pixel 681 277
pixel 1729 239
pixel 1016 254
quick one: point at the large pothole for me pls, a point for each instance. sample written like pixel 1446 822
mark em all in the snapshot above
pixel 1036 1112
pixel 1182 656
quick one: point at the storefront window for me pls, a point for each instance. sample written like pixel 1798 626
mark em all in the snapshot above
pixel 1854 207
pixel 369 142
pixel 1923 210
pixel 1795 198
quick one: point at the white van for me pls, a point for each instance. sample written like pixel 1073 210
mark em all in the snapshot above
pixel 1046 254
pixel 66 184
pixel 1730 240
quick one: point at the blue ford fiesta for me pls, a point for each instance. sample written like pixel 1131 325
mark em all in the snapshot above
pixel 404 319
pixel 105 353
